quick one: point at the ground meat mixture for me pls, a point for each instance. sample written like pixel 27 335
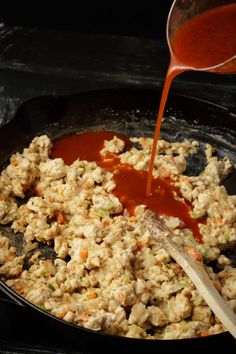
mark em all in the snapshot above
pixel 109 274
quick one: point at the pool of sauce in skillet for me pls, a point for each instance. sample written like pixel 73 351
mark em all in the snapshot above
pixel 130 183
pixel 204 41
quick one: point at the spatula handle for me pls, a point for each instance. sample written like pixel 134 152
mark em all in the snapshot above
pixel 195 270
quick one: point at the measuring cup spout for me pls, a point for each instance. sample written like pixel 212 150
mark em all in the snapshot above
pixel 186 12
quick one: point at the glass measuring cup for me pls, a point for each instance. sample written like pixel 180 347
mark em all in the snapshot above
pixel 184 10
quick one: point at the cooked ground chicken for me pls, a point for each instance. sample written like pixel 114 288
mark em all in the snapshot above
pixel 109 274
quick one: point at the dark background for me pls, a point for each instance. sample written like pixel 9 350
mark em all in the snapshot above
pixel 66 47
pixel 144 19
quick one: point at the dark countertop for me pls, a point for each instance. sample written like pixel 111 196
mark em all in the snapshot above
pixel 37 62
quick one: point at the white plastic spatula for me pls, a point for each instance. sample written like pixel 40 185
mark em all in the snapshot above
pixel 194 269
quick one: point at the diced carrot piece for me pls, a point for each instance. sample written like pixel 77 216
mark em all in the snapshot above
pixel 158 262
pixel 60 218
pixel 205 334
pixel 84 255
pixel 218 221
pixel 195 254
pixel 140 244
pixel 19 288
pixel 14 162
pixel 105 223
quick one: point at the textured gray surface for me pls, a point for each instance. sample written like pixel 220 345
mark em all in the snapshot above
pixel 40 62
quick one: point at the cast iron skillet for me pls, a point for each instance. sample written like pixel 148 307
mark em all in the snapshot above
pixel 132 112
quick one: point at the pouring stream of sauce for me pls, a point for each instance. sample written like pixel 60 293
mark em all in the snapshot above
pixel 196 45
pixel 204 41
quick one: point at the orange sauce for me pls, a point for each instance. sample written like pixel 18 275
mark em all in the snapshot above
pixel 130 183
pixel 131 190
pixel 85 146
